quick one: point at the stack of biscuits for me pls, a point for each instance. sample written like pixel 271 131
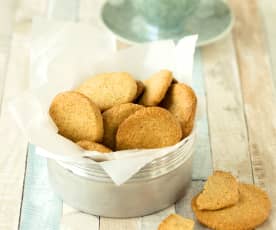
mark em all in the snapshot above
pixel 226 204
pixel 113 111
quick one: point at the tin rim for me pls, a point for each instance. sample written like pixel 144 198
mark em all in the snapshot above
pixel 156 168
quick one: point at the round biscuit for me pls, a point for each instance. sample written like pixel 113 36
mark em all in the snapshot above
pixel 251 211
pixel 109 89
pixel 113 117
pixel 93 146
pixel 76 117
pixel 151 127
pixel 156 87
pixel 181 101
pixel 220 191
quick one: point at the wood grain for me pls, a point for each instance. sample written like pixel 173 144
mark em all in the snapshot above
pixel 227 126
pixel 202 159
pixel 268 12
pixel 258 96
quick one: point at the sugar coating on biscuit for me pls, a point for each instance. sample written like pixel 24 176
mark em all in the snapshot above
pixel 150 127
pixel 176 222
pixel 113 117
pixel 181 101
pixel 107 90
pixel 220 191
pixel 156 87
pixel 251 211
pixel 93 146
pixel 77 117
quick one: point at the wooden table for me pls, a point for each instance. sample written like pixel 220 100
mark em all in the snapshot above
pixel 235 77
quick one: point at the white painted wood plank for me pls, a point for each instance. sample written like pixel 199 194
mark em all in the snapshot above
pixel 183 207
pixel 227 126
pixel 268 11
pixel 258 95
pixel 13 144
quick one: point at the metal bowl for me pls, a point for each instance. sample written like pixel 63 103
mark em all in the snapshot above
pixel 156 186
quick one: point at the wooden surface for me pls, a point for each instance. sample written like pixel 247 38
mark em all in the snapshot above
pixel 235 78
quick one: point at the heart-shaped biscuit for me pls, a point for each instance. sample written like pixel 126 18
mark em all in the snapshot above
pixel 220 191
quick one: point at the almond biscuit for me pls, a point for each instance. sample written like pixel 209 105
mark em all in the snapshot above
pixel 107 90
pixel 77 117
pixel 251 211
pixel 176 222
pixel 181 101
pixel 156 87
pixel 113 117
pixel 150 127
pixel 93 146
pixel 220 191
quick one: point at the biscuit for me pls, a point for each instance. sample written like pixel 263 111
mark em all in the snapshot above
pixel 251 211
pixel 140 89
pixel 107 90
pixel 93 146
pixel 156 87
pixel 181 101
pixel 113 117
pixel 220 191
pixel 76 117
pixel 151 127
pixel 176 222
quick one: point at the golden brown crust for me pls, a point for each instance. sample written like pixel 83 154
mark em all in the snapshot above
pixel 113 117
pixel 76 117
pixel 176 222
pixel 181 101
pixel 220 191
pixel 151 127
pixel 109 89
pixel 140 89
pixel 93 146
pixel 251 211
pixel 156 87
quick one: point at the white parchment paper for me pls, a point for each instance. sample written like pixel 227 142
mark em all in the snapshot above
pixel 65 54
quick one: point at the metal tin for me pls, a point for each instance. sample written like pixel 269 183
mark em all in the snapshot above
pixel 156 186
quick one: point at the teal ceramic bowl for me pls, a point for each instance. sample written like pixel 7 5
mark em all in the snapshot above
pixel 140 21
